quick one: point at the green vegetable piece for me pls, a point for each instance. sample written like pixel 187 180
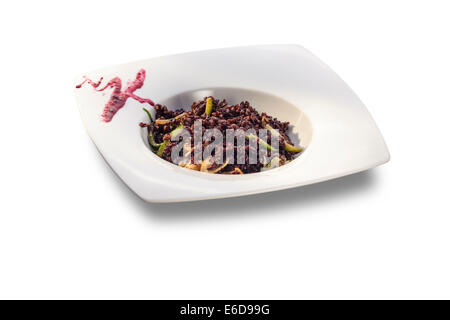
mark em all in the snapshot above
pixel 261 142
pixel 273 132
pixel 149 114
pixel 273 162
pixel 209 105
pixel 291 148
pixel 161 148
pixel 151 139
pixel 287 146
pixel 175 132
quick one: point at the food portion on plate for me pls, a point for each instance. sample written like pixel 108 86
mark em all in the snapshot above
pixel 216 114
pixel 212 137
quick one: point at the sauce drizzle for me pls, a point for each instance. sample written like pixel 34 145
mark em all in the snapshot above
pixel 118 97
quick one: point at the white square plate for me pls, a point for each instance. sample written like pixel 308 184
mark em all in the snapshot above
pixel 286 81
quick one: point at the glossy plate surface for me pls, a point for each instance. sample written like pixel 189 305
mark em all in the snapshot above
pixel 285 81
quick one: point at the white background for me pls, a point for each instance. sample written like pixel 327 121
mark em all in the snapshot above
pixel 69 228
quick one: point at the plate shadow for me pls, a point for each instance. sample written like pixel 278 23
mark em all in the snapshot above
pixel 277 202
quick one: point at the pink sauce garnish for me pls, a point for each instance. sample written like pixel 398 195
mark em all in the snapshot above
pixel 119 97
